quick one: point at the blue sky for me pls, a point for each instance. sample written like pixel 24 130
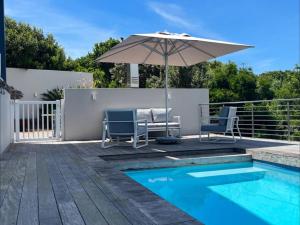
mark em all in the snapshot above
pixel 272 26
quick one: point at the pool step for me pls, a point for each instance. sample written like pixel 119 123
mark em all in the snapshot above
pixel 239 171
pixel 149 163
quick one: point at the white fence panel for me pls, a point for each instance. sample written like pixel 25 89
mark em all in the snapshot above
pixel 37 120
pixel 12 118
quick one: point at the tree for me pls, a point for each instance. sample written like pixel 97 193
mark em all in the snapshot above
pixel 148 71
pixel 264 88
pixel 119 75
pixel 279 84
pixel 101 71
pixel 28 47
pixel 227 82
pixel 199 75
pixel 244 84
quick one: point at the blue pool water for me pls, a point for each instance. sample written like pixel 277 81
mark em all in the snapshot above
pixel 237 193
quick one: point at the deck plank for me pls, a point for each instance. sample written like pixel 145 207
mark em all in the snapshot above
pixel 10 207
pixel 88 210
pixel 28 212
pixel 48 211
pixel 8 166
pixel 69 212
pixel 111 213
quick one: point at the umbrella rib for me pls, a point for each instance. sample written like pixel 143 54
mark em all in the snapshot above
pixel 172 48
pixel 154 48
pixel 199 49
pixel 137 43
pixel 131 43
pixel 179 54
pixel 179 49
pixel 162 48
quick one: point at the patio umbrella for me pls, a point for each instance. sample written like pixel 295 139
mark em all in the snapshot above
pixel 164 48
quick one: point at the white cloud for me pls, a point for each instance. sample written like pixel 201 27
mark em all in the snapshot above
pixel 175 16
pixel 172 13
pixel 74 34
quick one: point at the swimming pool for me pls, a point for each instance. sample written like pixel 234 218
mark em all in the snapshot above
pixel 236 193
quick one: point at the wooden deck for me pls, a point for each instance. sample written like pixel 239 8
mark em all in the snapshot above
pixel 68 184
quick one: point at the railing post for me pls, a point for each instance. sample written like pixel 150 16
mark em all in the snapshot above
pixel 62 117
pixel 289 121
pixel 252 120
pixel 12 120
pixel 57 119
pixel 17 120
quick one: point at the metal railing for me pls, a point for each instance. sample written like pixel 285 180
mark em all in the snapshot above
pixel 272 119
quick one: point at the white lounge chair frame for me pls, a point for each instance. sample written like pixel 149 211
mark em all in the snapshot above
pixel 232 121
pixel 135 136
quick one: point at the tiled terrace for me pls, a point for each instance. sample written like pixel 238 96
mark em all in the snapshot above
pixel 68 183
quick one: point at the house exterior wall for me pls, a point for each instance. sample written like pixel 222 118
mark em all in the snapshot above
pixel 34 82
pixel 6 126
pixel 84 108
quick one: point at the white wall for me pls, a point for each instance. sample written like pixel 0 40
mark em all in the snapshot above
pixel 6 127
pixel 83 115
pixel 31 81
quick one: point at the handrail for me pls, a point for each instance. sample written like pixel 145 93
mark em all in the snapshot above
pixel 254 101
pixel 276 119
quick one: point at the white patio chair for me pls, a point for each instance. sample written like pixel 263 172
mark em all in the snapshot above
pixel 122 124
pixel 227 120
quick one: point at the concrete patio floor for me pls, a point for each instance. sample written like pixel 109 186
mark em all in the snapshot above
pixel 59 183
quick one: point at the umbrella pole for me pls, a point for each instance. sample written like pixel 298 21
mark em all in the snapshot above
pixel 166 87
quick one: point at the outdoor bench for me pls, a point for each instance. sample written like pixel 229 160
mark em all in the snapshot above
pixel 156 119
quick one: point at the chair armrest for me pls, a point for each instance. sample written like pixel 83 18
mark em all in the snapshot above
pixel 144 121
pixel 177 119
pixel 214 117
pixel 126 121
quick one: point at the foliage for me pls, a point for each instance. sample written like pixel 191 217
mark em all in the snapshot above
pixel 279 84
pixel 101 71
pixel 227 82
pixel 53 95
pixel 28 47
pixel 14 94
pixel 119 75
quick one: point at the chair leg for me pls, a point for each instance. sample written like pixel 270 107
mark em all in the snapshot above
pixel 200 135
pixel 233 136
pixel 103 138
pixel 147 138
pixel 238 129
pixel 134 141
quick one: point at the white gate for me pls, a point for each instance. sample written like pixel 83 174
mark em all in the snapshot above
pixel 38 120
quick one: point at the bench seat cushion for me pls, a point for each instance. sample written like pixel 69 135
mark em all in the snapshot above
pixel 159 114
pixel 144 114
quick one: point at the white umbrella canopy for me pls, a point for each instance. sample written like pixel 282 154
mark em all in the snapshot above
pixel 164 48
pixel 181 49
